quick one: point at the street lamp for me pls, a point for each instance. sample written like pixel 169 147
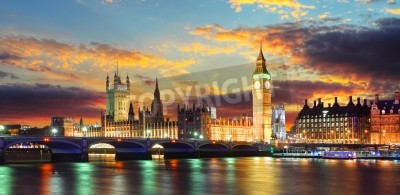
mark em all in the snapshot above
pixel 54 131
pixel 195 134
pixel 84 129
pixel 2 127
pixel 148 133
pixel 165 135
pixel 201 136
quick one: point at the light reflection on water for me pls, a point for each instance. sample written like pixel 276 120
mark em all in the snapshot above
pixel 6 178
pixel 252 175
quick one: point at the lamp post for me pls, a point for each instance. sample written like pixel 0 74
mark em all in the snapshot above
pixel 54 131
pixel 165 135
pixel 148 133
pixel 2 127
pixel 195 134
pixel 84 130
pixel 201 136
pixel 365 136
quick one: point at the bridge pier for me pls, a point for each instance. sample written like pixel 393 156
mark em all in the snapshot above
pixel 2 152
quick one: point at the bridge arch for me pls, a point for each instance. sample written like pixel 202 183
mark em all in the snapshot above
pixel 243 147
pixel 121 145
pixel 175 146
pixel 55 145
pixel 220 147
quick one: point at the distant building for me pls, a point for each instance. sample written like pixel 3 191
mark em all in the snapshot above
pixel 334 124
pixel 385 120
pixel 278 122
pixel 11 129
pixel 63 125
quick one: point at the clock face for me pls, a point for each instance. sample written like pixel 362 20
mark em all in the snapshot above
pixel 257 85
pixel 267 84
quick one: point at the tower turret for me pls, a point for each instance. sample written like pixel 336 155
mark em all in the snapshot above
pixel 128 84
pixel 131 114
pixel 260 64
pixel 262 112
pixel 107 82
pixel 157 106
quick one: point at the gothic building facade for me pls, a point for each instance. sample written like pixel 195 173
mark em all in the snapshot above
pixel 261 90
pixel 119 119
pixel 197 121
pixel 278 122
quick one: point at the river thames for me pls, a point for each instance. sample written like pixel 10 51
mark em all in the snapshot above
pixel 250 175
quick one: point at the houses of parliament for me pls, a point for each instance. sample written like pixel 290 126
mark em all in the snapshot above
pixel 194 122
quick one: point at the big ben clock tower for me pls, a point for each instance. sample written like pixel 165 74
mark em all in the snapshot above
pixel 261 89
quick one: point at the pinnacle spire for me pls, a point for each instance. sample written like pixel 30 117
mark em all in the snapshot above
pixel 261 55
pixel 117 67
pixel 156 84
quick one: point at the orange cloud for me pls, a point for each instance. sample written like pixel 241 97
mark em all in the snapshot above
pixel 206 50
pixel 250 37
pixel 274 4
pixel 393 11
pixel 324 15
pixel 48 55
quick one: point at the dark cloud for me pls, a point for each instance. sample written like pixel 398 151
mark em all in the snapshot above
pixel 42 100
pixel 145 79
pixel 372 52
pixel 7 74
pixel 293 92
pixel 7 56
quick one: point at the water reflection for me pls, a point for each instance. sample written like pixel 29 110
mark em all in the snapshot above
pixel 6 180
pixel 254 175
pixel 84 174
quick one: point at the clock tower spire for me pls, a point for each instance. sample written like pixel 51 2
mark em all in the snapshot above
pixel 261 89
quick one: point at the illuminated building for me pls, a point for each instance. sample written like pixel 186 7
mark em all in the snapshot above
pixel 194 122
pixel 333 124
pixel 261 90
pixel 63 125
pixel 119 119
pixel 278 123
pixel 236 129
pixel 385 121
pixel 198 123
pixel 117 98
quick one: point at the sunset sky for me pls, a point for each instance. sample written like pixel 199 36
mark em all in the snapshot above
pixel 55 55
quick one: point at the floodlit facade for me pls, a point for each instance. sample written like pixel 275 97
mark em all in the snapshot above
pixel 261 90
pixel 119 119
pixel 279 123
pixel 385 120
pixel 334 124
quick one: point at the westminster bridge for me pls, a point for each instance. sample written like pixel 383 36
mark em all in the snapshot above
pixel 75 149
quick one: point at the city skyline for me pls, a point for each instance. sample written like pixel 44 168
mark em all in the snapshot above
pixel 54 63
